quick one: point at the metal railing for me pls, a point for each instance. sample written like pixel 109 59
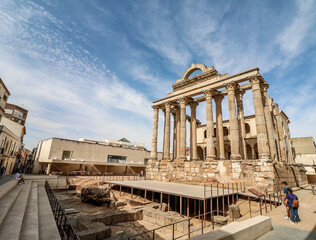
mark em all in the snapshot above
pixel 65 228
pixel 273 199
pixel 190 228
pixel 106 178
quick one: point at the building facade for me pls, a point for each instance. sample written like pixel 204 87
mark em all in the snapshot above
pixel 254 148
pixel 4 95
pixel 9 149
pixel 89 156
pixel 305 153
pixel 15 113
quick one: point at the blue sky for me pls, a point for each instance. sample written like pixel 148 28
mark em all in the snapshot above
pixel 92 68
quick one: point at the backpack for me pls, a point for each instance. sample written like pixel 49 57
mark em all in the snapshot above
pixel 295 202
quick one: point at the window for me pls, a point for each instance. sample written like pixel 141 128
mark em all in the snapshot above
pixel 225 130
pixel 5 98
pixel 116 159
pixel 247 127
pixel 8 111
pixel 67 155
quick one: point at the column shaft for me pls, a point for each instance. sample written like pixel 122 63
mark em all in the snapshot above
pixel 233 122
pixel 262 137
pixel 166 152
pixel 178 131
pixel 153 154
pixel 219 127
pixel 280 132
pixel 174 151
pixel 193 131
pixel 269 122
pixel 210 146
pixel 241 123
pixel 182 155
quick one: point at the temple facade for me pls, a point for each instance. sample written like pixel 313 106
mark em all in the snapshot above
pixel 254 148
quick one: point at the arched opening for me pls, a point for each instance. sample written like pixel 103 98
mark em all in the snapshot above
pixel 200 152
pixel 195 72
pixel 225 130
pixel 193 68
pixel 247 127
pixel 205 134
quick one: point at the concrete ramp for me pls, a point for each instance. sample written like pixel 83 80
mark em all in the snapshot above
pixel 249 229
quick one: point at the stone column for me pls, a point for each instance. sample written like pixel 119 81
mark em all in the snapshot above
pixel 241 122
pixel 262 137
pixel 174 151
pixel 233 122
pixel 219 127
pixel 269 121
pixel 253 153
pixel 153 155
pixel 210 146
pixel 280 132
pixel 178 131
pixel 182 153
pixel 48 168
pixel 193 152
pixel 166 148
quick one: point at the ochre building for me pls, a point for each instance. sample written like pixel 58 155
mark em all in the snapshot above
pixel 256 149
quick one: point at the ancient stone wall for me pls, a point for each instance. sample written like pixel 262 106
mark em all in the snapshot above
pixel 263 175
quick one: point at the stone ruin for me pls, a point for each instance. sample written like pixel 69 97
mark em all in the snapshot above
pixel 256 149
pixel 100 195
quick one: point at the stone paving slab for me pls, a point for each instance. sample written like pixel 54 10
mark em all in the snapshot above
pixel 306 211
pixel 177 189
pixel 282 232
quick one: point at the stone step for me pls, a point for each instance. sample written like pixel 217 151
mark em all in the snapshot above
pixel 7 201
pixel 30 222
pixel 4 188
pixel 47 225
pixel 11 225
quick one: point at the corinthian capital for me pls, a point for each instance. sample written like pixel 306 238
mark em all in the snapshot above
pixel 208 93
pixel 193 105
pixel 255 79
pixel 155 107
pixel 183 100
pixel 231 86
pixel 167 105
pixel 240 94
pixel 265 86
pixel 218 98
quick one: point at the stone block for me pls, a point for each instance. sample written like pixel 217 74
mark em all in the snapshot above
pixel 161 220
pixel 220 219
pixel 234 211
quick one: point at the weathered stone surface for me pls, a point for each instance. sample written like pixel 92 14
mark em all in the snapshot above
pixel 120 203
pixel 94 231
pixel 234 211
pixel 220 220
pixel 96 194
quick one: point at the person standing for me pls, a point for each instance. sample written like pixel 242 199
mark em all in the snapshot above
pixel 2 171
pixel 285 188
pixel 292 202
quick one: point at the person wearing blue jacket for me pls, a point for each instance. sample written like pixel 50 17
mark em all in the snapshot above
pixel 290 197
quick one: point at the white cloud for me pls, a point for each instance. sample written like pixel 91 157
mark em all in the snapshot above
pixel 291 39
pixel 69 93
